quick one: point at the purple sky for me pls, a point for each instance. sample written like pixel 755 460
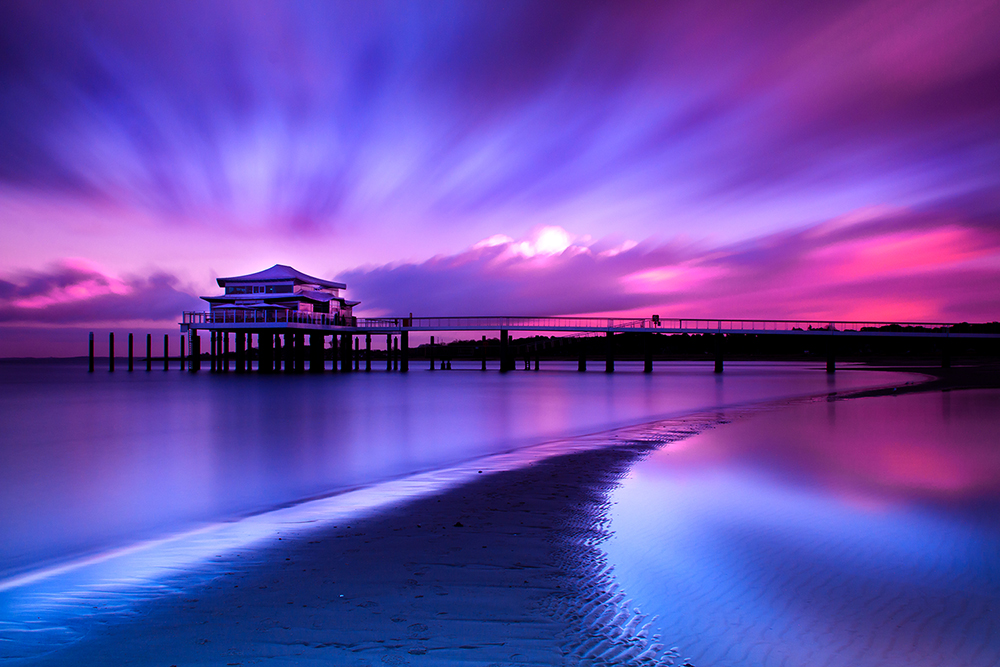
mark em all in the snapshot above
pixel 833 160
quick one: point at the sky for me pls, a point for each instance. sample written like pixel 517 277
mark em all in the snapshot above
pixel 723 159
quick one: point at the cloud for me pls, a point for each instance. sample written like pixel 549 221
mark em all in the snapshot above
pixel 872 265
pixel 305 118
pixel 75 292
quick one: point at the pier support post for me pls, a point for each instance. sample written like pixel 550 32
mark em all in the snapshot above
pixel 111 352
pixel 90 354
pixel 300 352
pixel 345 353
pixel 430 352
pixel 609 352
pixel 396 354
pixel 538 355
pixel 647 349
pixel 357 352
pixel 213 345
pixel 831 354
pixel 241 350
pixel 388 352
pixel 404 349
pixel 316 361
pixel 718 352
pixel 265 352
pixel 183 353
pixel 368 353
pixel 196 356
pixel 484 352
pixel 149 352
pixel 581 364
pixel 945 352
pixel 166 352
pixel 504 351
pixel 225 351
pixel 131 349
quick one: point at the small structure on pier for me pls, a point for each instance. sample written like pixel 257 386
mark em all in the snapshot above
pixel 283 287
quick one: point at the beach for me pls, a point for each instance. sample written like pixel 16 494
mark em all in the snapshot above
pixel 503 567
pixel 506 569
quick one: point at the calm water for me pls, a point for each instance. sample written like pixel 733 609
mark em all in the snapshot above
pixel 90 462
pixel 841 533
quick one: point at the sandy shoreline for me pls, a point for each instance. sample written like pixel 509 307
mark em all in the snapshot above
pixel 503 570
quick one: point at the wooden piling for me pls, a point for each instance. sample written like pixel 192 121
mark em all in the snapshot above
pixel 166 352
pixel 609 352
pixel 719 339
pixel 945 352
pixel 404 349
pixel 357 353
pixel 831 354
pixel 430 352
pixel 345 354
pixel 213 344
pixel 241 351
pixel 111 352
pixel 195 339
pixel 368 353
pixel 130 353
pixel 316 361
pixel 90 354
pixel 484 353
pixel 388 352
pixel 183 358
pixel 581 364
pixel 149 352
pixel 647 349
pixel 503 351
pixel 395 354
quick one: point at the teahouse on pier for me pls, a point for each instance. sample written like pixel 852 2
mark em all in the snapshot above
pixel 292 315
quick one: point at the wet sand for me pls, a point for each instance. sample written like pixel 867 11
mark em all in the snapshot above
pixel 505 570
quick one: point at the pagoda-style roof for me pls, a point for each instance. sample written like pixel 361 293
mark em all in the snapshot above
pixel 280 273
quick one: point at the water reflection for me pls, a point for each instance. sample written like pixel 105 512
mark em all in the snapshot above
pixel 858 532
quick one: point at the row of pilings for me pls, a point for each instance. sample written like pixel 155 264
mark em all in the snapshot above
pixel 303 351
pixel 274 352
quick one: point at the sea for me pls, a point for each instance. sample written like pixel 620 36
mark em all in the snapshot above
pixel 801 530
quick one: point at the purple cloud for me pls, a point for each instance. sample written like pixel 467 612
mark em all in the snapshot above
pixel 74 293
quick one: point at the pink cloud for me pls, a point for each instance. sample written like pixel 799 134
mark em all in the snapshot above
pixel 898 265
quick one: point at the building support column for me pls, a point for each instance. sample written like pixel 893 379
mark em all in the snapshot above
pixel 241 352
pixel 316 361
pixel 404 349
pixel 368 353
pixel 388 352
pixel 581 364
pixel 831 354
pixel 213 345
pixel 166 352
pixel 90 354
pixel 647 348
pixel 111 352
pixel 609 352
pixel 225 351
pixel 484 353
pixel 149 352
pixel 130 355
pixel 357 352
pixel 195 339
pixel 430 352
pixel 300 352
pixel 265 352
pixel 345 353
pixel 503 351
pixel 183 358
pixel 719 339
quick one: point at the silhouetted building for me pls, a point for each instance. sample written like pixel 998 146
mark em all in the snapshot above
pixel 282 287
